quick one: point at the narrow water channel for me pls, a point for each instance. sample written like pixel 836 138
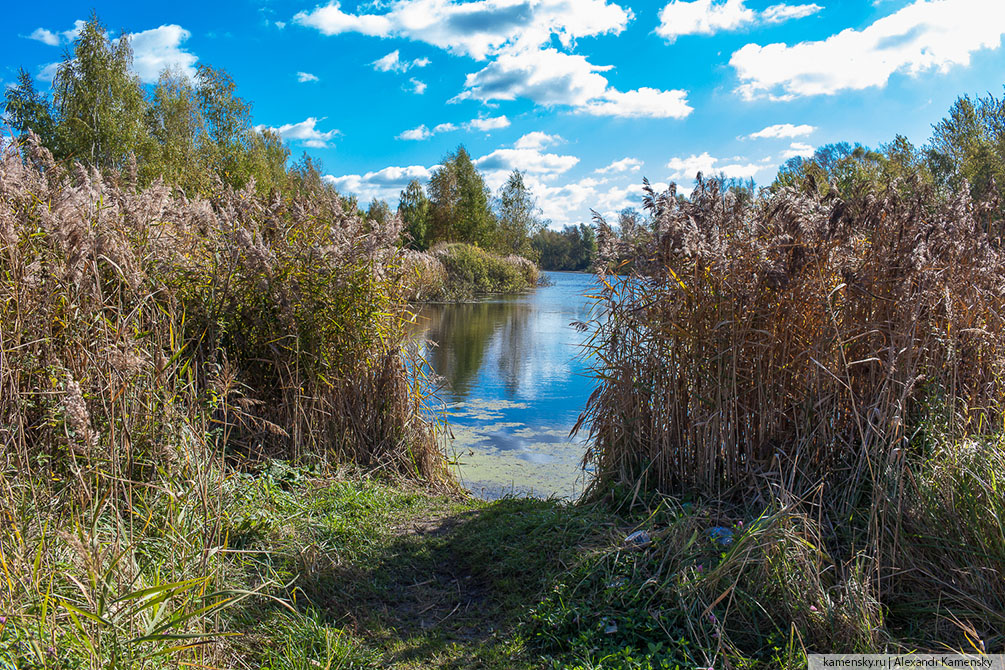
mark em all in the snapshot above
pixel 513 385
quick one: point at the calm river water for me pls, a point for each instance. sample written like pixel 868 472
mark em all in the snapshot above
pixel 514 384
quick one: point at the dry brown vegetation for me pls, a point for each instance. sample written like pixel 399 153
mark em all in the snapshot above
pixel 146 340
pixel 836 358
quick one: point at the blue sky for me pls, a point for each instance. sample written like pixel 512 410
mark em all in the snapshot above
pixel 585 96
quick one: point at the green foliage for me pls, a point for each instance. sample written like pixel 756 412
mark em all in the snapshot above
pixel 968 146
pixel 414 210
pixel 572 248
pixel 459 202
pixel 189 134
pixel 99 101
pixel 26 109
pixel 378 211
pixel 518 215
pixel 471 270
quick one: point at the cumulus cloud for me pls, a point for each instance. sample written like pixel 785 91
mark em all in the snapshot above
pixel 392 63
pixel 926 35
pixel 707 17
pixel 47 72
pixel 526 160
pixel 783 130
pixel 476 29
pixel 488 123
pixel 797 149
pixel 546 76
pixel 642 102
pixel 623 165
pixel 482 124
pixel 385 184
pixel 420 133
pixel 45 37
pixel 71 34
pixel 305 133
pixel 537 140
pixel 688 168
pixel 780 13
pixel 418 87
pixel 517 38
pixel 160 48
pixel 304 77
pixel 551 77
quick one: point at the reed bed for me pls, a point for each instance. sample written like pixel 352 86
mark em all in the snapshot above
pixel 838 358
pixel 149 345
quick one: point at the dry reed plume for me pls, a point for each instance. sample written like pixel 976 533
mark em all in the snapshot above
pixel 147 339
pixel 840 357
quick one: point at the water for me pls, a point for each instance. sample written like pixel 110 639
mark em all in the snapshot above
pixel 515 383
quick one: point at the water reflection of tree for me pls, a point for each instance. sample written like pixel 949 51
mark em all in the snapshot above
pixel 464 332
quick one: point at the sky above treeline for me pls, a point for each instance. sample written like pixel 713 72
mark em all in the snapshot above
pixel 586 97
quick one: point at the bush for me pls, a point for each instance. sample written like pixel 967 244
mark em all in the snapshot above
pixel 459 271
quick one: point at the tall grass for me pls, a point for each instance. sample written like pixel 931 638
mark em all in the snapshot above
pixel 845 354
pixel 149 343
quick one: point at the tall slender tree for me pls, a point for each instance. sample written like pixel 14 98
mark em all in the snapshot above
pixel 413 208
pixel 459 202
pixel 99 100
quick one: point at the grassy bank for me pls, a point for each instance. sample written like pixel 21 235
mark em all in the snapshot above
pixel 457 271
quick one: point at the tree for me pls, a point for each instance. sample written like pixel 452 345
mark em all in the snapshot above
pixel 177 126
pixel 518 215
pixel 26 109
pixel 227 119
pixel 99 101
pixel 459 202
pixel 413 208
pixel 378 211
pixel 969 146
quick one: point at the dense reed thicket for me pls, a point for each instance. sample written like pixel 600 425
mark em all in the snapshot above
pixel 458 271
pixel 837 355
pixel 147 341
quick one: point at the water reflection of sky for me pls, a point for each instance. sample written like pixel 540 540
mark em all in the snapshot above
pixel 514 386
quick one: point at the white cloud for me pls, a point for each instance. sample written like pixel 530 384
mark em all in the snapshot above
pixel 384 184
pixel 486 124
pixel 526 160
pixel 783 130
pixel 623 165
pixel 688 168
pixel 483 124
pixel 279 24
pixel 707 17
pixel 537 140
pixel 71 34
pixel 797 149
pixel 926 35
pixel 306 133
pixel 418 87
pixel 159 48
pixel 517 39
pixel 45 36
pixel 476 29
pixel 551 77
pixel 420 133
pixel 304 77
pixel 47 72
pixel 392 63
pixel 642 102
pixel 546 76
pixel 780 13
pixel 702 17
